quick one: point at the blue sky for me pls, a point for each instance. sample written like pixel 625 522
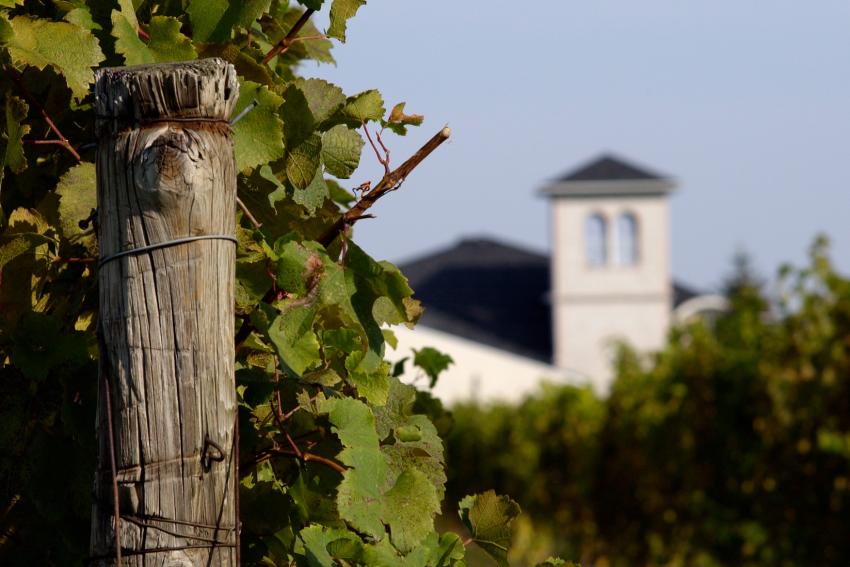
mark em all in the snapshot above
pixel 746 103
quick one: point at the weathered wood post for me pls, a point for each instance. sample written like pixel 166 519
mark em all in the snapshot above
pixel 166 186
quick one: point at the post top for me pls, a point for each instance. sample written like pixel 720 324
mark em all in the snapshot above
pixel 205 89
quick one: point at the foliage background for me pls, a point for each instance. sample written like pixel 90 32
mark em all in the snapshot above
pixel 731 447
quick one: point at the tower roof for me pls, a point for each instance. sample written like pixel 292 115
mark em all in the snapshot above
pixel 609 175
pixel 608 167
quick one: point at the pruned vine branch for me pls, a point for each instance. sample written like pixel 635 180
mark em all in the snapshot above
pixel 62 140
pixel 389 182
pixel 284 44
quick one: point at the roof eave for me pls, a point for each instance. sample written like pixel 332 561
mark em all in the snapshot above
pixel 609 188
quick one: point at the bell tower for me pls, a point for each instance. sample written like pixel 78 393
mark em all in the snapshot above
pixel 611 276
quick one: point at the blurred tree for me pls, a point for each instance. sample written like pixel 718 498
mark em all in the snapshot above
pixel 731 447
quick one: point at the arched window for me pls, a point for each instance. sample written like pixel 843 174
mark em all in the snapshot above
pixel 628 245
pixel 596 240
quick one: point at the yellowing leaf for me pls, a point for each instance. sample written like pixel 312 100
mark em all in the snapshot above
pixel 77 197
pixel 398 120
pixel 69 49
pixel 397 115
pixel 82 17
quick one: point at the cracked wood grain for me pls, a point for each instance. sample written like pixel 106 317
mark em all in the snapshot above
pixel 165 170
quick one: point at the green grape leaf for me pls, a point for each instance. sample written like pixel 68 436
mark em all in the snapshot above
pixel 359 496
pixel 341 147
pixel 296 265
pixel 258 137
pixel 398 408
pixel 303 161
pixel 363 107
pixel 433 551
pixel 323 98
pixel 77 192
pixel 292 335
pixel 369 373
pixel 69 49
pixel 488 517
pixel 280 24
pixel 424 454
pixel 312 4
pixel 11 3
pixel 361 486
pixel 252 283
pixel 39 344
pixel 410 502
pixel 450 549
pixel 398 121
pixel 312 196
pixel 409 509
pixel 166 42
pixel 556 562
pixel 11 142
pixel 322 546
pixel 243 58
pixel 432 362
pixel 408 433
pixel 213 20
pixel 353 422
pixel 341 12
pixel 298 121
pixel 341 341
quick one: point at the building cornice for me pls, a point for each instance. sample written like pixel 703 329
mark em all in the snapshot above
pixel 609 188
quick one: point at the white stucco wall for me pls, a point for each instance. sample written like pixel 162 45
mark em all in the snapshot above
pixel 589 331
pixel 594 304
pixel 480 372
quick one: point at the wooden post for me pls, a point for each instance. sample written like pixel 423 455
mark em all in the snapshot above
pixel 165 171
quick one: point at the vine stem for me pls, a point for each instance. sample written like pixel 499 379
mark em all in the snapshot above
pixel 391 181
pixel 248 214
pixel 284 44
pixel 305 456
pixel 385 160
pixel 62 141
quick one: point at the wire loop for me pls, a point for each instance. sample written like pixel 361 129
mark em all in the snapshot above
pixel 175 242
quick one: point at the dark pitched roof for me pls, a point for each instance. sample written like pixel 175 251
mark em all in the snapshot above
pixel 492 293
pixel 608 167
pixel 488 292
pixel 682 293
